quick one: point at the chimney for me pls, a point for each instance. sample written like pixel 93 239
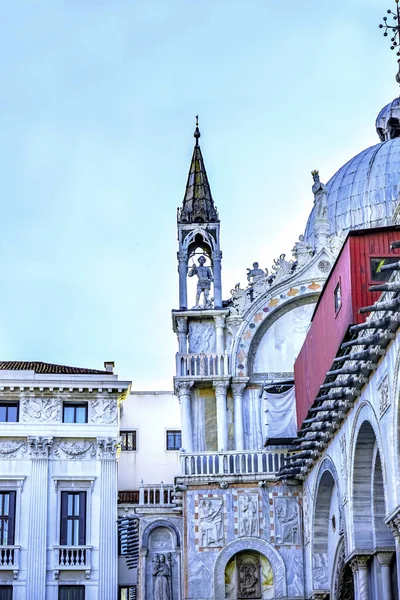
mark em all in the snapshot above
pixel 109 366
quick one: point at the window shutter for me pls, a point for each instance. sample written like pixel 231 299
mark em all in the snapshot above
pixel 64 518
pixel 82 518
pixel 11 519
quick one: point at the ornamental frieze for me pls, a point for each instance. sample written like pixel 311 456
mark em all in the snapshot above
pixel 75 449
pixel 12 448
pixel 41 410
pixel 104 410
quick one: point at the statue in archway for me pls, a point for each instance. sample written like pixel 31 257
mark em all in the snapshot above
pixel 205 278
pixel 162 577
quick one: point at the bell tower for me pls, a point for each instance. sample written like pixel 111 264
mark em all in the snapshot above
pixel 198 237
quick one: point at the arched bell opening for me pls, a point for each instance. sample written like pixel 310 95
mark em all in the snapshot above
pixel 248 574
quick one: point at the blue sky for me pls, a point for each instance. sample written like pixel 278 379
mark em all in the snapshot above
pixel 97 115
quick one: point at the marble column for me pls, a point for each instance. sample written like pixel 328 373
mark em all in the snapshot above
pixel 219 334
pixel 221 388
pixel 237 392
pixel 183 391
pixel 216 263
pixel 384 559
pixel 182 330
pixel 108 542
pixel 394 526
pixel 182 270
pixel 359 566
pixel 37 558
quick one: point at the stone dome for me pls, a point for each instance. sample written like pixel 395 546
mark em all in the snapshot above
pixel 364 192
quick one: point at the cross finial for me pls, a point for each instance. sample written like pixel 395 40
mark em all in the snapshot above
pixel 393 29
pixel 197 133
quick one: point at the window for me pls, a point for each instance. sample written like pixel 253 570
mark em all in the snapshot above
pixel 128 440
pixel 71 592
pixel 75 413
pixel 127 593
pixel 376 265
pixel 73 519
pixel 8 412
pixel 337 297
pixel 7 518
pixel 6 592
pixel 174 441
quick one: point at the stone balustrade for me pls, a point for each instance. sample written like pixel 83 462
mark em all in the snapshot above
pixel 9 558
pixel 72 558
pixel 216 464
pixel 158 494
pixel 202 365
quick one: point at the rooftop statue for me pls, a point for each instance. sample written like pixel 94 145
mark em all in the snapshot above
pixel 302 252
pixel 205 278
pixel 320 192
pixel 256 274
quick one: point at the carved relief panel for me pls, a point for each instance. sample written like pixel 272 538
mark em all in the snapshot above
pixel 41 410
pixel 247 514
pixel 287 523
pixel 75 449
pixel 103 410
pixel 210 522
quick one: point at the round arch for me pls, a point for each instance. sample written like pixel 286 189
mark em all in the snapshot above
pixel 161 523
pixel 257 545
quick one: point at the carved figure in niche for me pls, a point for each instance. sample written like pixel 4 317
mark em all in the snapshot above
pixel 249 585
pixel 205 278
pixel 320 192
pixel 287 521
pixel 162 589
pixel 248 509
pixel 211 522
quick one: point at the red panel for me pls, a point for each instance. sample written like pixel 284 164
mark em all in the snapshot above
pixel 328 328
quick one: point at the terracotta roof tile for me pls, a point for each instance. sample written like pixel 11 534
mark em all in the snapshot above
pixel 48 368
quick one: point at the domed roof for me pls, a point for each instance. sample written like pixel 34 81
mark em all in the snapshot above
pixel 364 192
pixel 388 121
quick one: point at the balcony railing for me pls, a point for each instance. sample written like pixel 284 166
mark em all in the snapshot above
pixel 215 464
pixel 9 556
pixel 158 494
pixel 202 365
pixel 72 558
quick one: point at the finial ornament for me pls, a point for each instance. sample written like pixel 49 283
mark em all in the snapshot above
pixel 197 133
pixel 394 29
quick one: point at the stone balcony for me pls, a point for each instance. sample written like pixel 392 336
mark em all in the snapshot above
pixel 72 558
pixel 9 559
pixel 200 366
pixel 246 465
pixel 153 498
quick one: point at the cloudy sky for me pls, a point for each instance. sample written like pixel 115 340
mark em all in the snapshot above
pixel 97 107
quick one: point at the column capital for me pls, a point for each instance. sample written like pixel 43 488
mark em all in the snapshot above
pixel 216 255
pixel 394 525
pixel 219 320
pixel 181 324
pixel 384 557
pixel 108 448
pixel 360 561
pixel 238 387
pixel 319 596
pixel 221 387
pixel 182 255
pixel 39 446
pixel 182 388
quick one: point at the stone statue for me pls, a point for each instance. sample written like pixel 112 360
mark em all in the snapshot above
pixel 248 516
pixel 302 252
pixel 256 274
pixel 162 578
pixel 211 522
pixel 205 278
pixel 320 192
pixel 282 268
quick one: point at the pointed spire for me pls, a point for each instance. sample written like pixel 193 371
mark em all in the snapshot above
pixel 198 204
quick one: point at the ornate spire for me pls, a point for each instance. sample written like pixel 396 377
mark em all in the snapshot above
pixel 198 205
pixel 393 29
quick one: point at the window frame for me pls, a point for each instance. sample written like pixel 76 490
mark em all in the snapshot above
pixel 81 517
pixel 75 405
pixel 122 433
pixel 84 483
pixel 61 588
pixel 338 287
pixel 7 404
pixel 121 588
pixel 9 518
pixel 8 588
pixel 174 431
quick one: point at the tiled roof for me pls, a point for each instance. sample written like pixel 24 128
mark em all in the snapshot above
pixel 48 368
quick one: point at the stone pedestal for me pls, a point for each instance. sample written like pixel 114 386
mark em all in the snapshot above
pixel 182 390
pixel 221 388
pixel 36 564
pixel 108 543
pixel 237 392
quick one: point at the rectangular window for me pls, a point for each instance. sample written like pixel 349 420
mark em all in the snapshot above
pixel 127 593
pixel 128 440
pixel 7 518
pixel 8 412
pixel 71 592
pixel 174 440
pixel 376 265
pixel 74 412
pixel 73 519
pixel 337 297
pixel 6 592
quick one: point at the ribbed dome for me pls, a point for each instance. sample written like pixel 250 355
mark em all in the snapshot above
pixel 363 193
